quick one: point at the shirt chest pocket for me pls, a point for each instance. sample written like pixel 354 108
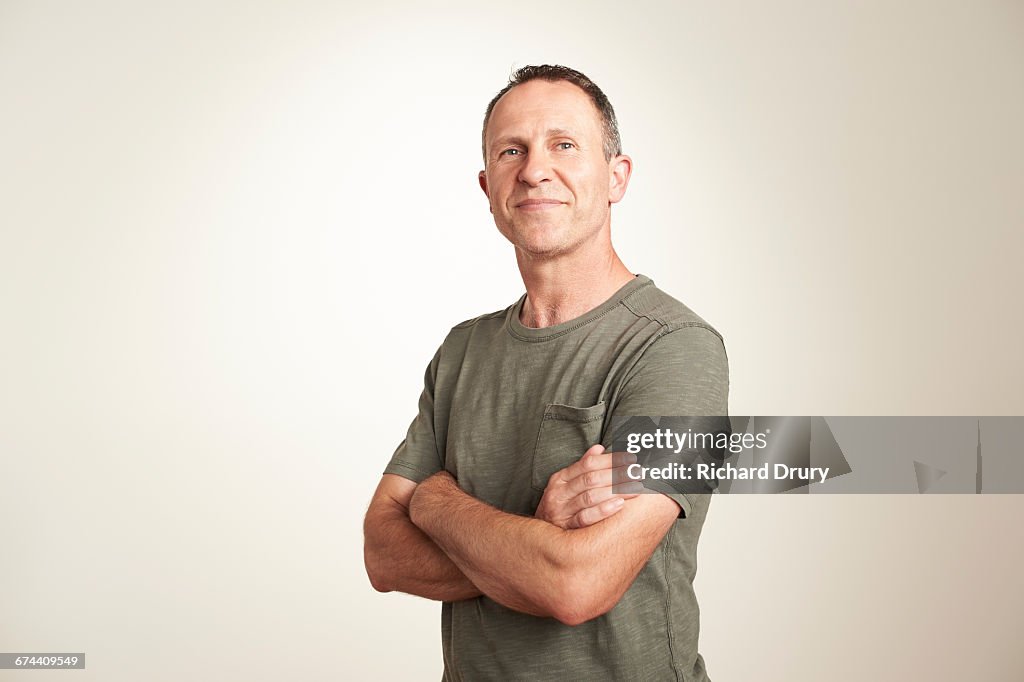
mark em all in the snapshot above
pixel 565 433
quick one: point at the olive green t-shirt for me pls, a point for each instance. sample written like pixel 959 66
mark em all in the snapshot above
pixel 505 406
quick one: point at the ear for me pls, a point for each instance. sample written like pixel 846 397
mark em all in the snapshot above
pixel 482 178
pixel 621 167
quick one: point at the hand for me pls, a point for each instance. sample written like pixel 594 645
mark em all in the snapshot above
pixel 581 494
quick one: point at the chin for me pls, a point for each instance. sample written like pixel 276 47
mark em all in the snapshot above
pixel 540 238
pixel 544 248
pixel 538 245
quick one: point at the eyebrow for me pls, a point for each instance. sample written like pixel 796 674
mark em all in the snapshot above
pixel 515 139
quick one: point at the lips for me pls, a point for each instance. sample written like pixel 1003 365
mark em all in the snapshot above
pixel 538 204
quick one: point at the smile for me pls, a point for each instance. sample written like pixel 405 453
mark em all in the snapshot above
pixel 538 204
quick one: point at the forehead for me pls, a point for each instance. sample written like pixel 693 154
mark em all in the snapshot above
pixel 540 105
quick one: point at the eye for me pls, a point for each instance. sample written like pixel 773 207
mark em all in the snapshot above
pixel 566 145
pixel 509 152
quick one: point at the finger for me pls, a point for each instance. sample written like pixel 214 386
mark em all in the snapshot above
pixel 596 472
pixel 595 497
pixel 591 497
pixel 597 486
pixel 588 480
pixel 592 515
pixel 591 459
pixel 604 460
pixel 625 480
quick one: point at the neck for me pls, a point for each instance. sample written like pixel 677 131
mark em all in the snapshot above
pixel 564 287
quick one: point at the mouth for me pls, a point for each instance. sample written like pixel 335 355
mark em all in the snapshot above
pixel 538 204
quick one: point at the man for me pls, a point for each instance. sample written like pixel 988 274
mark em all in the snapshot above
pixel 499 501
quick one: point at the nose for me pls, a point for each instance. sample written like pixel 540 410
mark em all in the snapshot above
pixel 536 168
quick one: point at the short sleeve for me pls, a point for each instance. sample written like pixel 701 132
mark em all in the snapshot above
pixel 417 457
pixel 685 372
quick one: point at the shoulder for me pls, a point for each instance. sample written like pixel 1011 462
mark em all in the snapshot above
pixel 487 319
pixel 482 329
pixel 685 348
pixel 650 302
pixel 684 367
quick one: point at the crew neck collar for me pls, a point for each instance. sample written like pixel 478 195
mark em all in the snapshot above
pixel 524 333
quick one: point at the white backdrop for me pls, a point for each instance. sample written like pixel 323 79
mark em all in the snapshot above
pixel 232 235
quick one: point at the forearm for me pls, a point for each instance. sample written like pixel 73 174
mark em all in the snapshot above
pixel 400 557
pixel 520 562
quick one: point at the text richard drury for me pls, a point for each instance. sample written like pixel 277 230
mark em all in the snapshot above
pixel 674 471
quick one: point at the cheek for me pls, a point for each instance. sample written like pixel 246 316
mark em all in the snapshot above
pixel 499 191
pixel 594 188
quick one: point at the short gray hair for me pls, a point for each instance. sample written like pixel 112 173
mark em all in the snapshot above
pixel 553 73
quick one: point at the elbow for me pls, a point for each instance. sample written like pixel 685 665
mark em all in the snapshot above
pixel 375 572
pixel 572 617
pixel 573 614
pixel 580 599
pixel 379 583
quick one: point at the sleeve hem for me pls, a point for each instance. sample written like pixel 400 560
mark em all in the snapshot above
pixel 682 499
pixel 408 471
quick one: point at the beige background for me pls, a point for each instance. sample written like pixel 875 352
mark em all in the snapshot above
pixel 232 234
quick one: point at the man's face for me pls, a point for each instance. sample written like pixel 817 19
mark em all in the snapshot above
pixel 546 178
